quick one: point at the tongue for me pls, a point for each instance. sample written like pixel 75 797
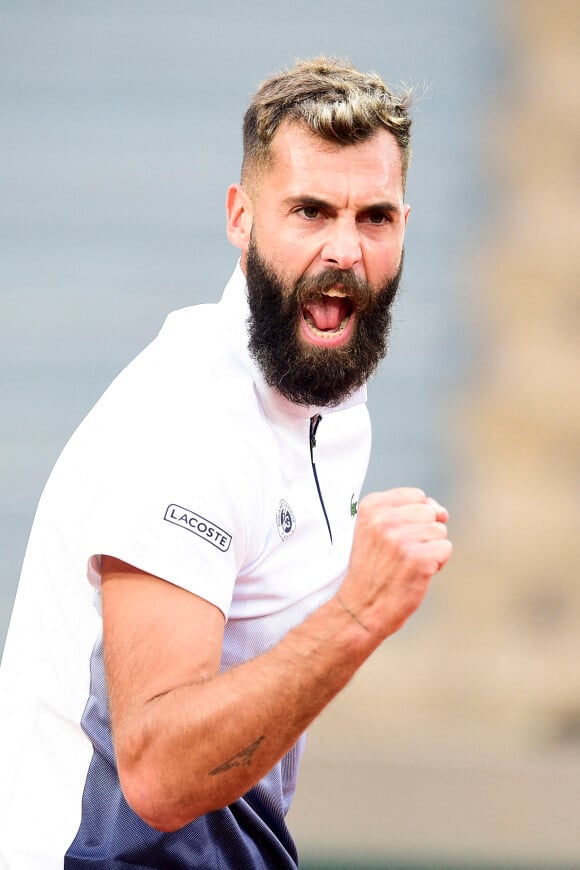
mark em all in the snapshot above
pixel 328 313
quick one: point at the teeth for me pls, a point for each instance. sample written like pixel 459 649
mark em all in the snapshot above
pixel 335 291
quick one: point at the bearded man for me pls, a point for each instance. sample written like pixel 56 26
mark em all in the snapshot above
pixel 197 585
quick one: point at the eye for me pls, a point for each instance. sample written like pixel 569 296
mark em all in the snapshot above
pixel 377 218
pixel 310 212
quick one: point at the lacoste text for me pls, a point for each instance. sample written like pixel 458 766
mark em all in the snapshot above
pixel 197 524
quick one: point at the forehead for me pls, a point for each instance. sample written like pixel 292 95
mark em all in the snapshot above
pixel 300 159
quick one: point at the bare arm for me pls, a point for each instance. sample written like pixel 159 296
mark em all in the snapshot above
pixel 189 739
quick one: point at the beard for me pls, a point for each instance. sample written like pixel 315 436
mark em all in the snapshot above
pixel 309 374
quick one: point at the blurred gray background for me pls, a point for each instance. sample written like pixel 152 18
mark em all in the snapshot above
pixel 120 132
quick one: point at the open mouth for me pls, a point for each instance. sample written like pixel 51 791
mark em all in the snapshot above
pixel 329 320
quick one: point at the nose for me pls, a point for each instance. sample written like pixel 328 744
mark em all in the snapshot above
pixel 342 246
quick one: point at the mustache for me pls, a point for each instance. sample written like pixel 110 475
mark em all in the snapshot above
pixel 311 289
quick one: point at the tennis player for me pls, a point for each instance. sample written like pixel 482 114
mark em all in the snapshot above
pixel 202 575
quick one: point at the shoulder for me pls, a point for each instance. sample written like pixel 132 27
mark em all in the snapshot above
pixel 188 396
pixel 193 368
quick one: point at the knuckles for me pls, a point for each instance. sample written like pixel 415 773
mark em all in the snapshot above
pixel 402 526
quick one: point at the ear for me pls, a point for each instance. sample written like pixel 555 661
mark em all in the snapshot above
pixel 240 215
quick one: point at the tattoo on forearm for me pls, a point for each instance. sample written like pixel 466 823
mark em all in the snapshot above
pixel 242 758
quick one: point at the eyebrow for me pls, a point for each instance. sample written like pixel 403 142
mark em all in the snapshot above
pixel 317 202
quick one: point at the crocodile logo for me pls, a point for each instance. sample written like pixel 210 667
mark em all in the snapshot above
pixel 353 506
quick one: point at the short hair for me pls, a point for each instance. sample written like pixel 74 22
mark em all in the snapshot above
pixel 333 100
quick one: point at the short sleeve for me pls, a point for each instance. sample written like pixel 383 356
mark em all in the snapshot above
pixel 173 494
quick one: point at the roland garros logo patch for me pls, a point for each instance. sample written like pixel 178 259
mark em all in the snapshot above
pixel 197 524
pixel 285 520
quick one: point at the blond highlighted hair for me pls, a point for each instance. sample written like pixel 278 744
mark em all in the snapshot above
pixel 332 99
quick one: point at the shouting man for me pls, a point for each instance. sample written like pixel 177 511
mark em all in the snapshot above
pixel 198 583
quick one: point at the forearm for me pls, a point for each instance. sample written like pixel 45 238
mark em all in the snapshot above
pixel 199 747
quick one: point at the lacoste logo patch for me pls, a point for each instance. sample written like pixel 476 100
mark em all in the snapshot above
pixel 353 506
pixel 197 524
pixel 285 520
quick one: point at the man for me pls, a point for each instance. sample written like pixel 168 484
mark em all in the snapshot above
pixel 153 716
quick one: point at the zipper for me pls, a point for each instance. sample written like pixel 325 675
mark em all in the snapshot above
pixel 314 422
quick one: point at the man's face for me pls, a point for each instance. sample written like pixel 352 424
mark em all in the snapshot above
pixel 327 229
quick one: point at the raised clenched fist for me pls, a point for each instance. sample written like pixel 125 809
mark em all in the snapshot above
pixel 400 542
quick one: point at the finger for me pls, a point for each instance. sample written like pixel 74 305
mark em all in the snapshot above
pixel 411 513
pixel 437 553
pixel 442 513
pixel 426 532
pixel 393 497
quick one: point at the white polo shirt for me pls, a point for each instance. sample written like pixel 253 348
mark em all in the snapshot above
pixel 192 469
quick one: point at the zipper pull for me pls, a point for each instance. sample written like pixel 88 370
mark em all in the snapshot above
pixel 314 421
